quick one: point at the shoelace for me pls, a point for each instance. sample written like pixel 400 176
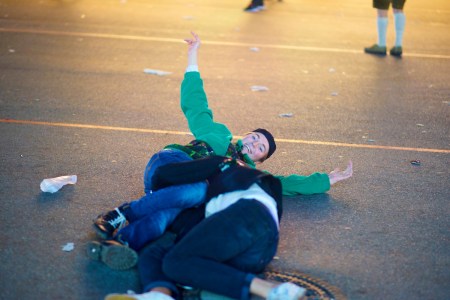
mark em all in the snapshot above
pixel 120 220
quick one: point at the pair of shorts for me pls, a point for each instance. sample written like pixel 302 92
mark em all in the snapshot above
pixel 384 4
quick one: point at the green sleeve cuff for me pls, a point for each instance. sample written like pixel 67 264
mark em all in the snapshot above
pixel 315 183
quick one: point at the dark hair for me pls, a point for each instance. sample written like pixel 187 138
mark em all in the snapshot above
pixel 270 139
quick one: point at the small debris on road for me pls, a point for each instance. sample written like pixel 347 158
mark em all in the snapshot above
pixel 259 88
pixel 68 247
pixel 415 162
pixel 156 72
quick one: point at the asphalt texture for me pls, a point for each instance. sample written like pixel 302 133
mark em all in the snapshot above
pixel 74 99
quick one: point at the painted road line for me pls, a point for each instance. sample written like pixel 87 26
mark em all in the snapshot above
pixel 280 140
pixel 205 42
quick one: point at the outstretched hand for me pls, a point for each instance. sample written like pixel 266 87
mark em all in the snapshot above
pixel 337 175
pixel 193 43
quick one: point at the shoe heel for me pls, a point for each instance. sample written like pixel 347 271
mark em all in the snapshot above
pixel 119 257
pixel 93 250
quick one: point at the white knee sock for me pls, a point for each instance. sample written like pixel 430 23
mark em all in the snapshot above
pixel 400 20
pixel 382 24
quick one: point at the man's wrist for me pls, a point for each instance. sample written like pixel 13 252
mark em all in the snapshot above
pixel 192 68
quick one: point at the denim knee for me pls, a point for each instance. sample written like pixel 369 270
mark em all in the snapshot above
pixel 150 264
pixel 172 267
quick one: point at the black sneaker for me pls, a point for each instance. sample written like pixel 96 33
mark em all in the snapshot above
pixel 114 254
pixel 375 49
pixel 252 7
pixel 396 51
pixel 106 224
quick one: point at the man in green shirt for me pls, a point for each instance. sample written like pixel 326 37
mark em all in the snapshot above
pixel 149 216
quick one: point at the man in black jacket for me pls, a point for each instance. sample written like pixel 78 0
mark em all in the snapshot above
pixel 222 245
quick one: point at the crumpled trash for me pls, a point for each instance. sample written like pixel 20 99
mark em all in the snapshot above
pixel 156 72
pixel 52 185
pixel 334 93
pixel 415 162
pixel 286 115
pixel 254 49
pixel 259 88
pixel 68 247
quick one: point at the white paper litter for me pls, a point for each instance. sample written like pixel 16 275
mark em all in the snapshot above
pixel 286 115
pixel 259 88
pixel 254 49
pixel 334 93
pixel 68 247
pixel 156 72
pixel 52 185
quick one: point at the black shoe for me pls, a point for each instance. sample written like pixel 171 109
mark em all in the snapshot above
pixel 114 254
pixel 396 51
pixel 106 224
pixel 375 49
pixel 254 7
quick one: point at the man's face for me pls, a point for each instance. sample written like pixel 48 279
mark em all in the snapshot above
pixel 256 146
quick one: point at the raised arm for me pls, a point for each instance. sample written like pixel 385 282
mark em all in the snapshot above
pixel 193 45
pixel 194 105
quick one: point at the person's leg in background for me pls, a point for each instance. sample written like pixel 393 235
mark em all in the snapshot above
pixel 400 20
pixel 255 6
pixel 382 7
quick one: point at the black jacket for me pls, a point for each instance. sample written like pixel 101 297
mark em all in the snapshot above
pixel 222 174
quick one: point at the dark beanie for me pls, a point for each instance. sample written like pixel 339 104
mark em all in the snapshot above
pixel 270 139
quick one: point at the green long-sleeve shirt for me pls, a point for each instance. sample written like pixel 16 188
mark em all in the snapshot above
pixel 194 104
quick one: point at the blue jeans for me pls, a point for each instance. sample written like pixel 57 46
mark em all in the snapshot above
pixel 150 264
pixel 223 253
pixel 150 215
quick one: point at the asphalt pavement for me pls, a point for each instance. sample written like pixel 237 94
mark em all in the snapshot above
pixel 74 99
